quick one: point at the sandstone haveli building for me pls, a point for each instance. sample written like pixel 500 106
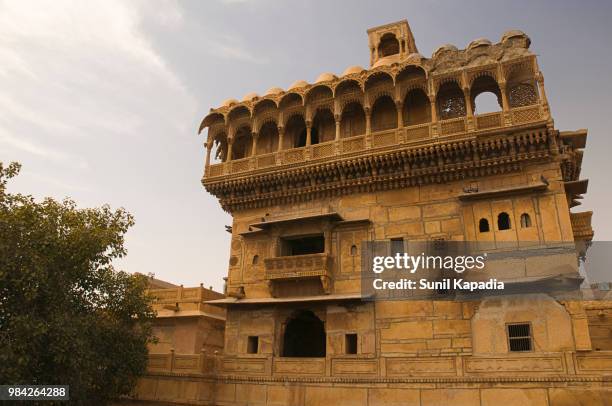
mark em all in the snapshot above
pixel 397 152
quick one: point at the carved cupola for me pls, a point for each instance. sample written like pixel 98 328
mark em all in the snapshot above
pixel 393 42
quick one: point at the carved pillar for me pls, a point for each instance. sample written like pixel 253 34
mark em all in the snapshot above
pixel 254 136
pixel 400 117
pixel 281 137
pixel 230 143
pixel 368 116
pixel 308 133
pixel 434 115
pixel 208 146
pixel 469 110
pixel 507 119
pixel 337 119
pixel 504 96
pixel 542 92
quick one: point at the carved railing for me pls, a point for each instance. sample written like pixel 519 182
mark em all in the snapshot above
pixel 181 363
pixel 489 120
pixel 417 132
pixel 353 144
pixel 241 165
pixel 181 294
pixel 384 138
pixel 298 266
pixel 403 135
pixel 452 126
pixel 581 225
pixel 526 114
pixel 263 161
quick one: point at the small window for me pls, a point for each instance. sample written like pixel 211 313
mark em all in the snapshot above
pixel 525 220
pixel 350 343
pixel 503 221
pixel 397 246
pixel 353 250
pixel 483 225
pixel 519 337
pixel 253 345
pixel 255 259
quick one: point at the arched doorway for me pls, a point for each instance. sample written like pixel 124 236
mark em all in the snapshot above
pixel 304 336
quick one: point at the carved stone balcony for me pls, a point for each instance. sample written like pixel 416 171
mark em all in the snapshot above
pixel 402 137
pixel 581 225
pixel 299 267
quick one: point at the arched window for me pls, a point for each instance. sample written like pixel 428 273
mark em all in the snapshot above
pixel 218 152
pixel 267 141
pixel 323 127
pixel 483 225
pixel 388 45
pixel 304 336
pixel 384 114
pixel 352 122
pixel 353 250
pixel 525 220
pixel 243 143
pixel 503 221
pixel 295 132
pixel 255 259
pixel 486 96
pixel 416 109
pixel 450 101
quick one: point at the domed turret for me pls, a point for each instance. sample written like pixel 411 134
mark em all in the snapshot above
pixel 273 90
pixel 443 49
pixel 325 77
pixel 250 96
pixel 513 36
pixel 479 42
pixel 229 102
pixel 298 84
pixel 352 69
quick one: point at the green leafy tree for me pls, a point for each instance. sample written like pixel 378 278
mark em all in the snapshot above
pixel 66 316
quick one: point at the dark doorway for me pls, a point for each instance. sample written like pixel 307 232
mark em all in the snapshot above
pixel 304 336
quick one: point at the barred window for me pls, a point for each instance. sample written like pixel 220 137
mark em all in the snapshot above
pixel 519 337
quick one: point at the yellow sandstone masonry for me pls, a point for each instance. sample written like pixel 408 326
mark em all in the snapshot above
pixel 397 151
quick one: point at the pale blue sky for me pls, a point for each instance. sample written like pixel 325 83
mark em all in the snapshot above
pixel 101 100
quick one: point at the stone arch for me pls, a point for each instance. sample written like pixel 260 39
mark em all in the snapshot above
pixel 218 146
pixel 450 101
pixel 267 139
pixel 388 45
pixel 211 119
pixel 353 120
pixel 521 88
pixel 304 336
pixel 295 132
pixel 323 126
pixel 410 73
pixel 291 99
pixel 416 108
pixel 319 92
pixel 239 112
pixel 378 80
pixel 346 87
pixel 384 114
pixel 483 86
pixel 243 143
